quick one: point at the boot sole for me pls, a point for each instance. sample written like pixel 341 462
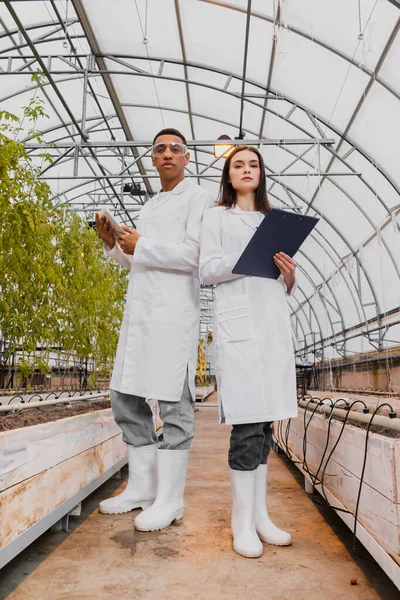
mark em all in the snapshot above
pixel 178 517
pixel 246 555
pixel 274 543
pixel 142 505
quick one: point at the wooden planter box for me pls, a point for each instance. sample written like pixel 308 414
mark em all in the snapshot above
pixel 378 525
pixel 203 391
pixel 47 469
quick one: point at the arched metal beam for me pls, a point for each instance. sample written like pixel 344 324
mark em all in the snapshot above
pixel 46 95
pixel 288 150
pixel 361 101
pixel 282 147
pixel 316 288
pixel 313 236
pixel 277 115
pixel 304 200
pixel 50 79
pixel 107 80
pixel 300 307
pixel 278 95
pixel 256 15
pixel 312 39
pixel 338 309
pixel 352 251
pixel 334 183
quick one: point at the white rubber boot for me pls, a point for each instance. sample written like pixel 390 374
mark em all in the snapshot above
pixel 245 539
pixel 171 479
pixel 267 531
pixel 141 489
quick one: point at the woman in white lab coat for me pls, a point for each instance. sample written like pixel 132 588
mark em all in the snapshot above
pixel 253 348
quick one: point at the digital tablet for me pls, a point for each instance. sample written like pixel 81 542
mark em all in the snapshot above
pixel 113 221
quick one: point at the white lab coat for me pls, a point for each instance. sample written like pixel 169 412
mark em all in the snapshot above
pixel 253 349
pixel 160 328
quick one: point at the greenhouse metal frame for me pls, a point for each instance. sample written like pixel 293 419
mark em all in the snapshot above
pixel 105 104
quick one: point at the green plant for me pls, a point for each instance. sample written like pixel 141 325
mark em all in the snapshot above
pixel 57 289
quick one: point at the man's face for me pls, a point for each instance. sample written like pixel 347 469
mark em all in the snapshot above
pixel 169 156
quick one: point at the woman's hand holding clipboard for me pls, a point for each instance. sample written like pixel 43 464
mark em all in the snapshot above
pixel 280 232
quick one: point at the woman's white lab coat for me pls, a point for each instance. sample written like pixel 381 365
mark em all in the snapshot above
pixel 253 349
pixel 160 328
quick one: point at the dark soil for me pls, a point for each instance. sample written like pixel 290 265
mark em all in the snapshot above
pixel 34 416
pixel 391 433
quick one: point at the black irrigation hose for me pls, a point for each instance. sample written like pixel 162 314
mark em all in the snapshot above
pixel 327 439
pixel 306 426
pixel 279 431
pixel 376 411
pixel 323 473
pixel 279 436
pixel 35 396
pixel 14 398
pixel 314 477
pixel 337 442
pixel 287 432
pixel 287 451
pixel 56 395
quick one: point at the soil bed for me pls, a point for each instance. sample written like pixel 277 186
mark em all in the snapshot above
pixel 34 416
pixel 391 433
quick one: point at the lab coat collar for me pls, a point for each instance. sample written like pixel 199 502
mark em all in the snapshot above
pixel 181 187
pixel 178 189
pixel 243 215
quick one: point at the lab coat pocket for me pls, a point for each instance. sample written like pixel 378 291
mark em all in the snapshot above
pixel 175 300
pixel 234 322
pixel 164 227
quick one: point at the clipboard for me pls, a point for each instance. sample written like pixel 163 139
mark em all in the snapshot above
pixel 280 231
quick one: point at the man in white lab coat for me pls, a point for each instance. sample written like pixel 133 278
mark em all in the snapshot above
pixel 157 348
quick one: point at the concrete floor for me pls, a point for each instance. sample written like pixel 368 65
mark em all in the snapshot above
pixel 102 557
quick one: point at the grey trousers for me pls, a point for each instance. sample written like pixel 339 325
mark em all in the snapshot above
pixel 135 418
pixel 249 446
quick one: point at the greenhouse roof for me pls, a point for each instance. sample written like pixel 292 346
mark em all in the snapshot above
pixel 314 84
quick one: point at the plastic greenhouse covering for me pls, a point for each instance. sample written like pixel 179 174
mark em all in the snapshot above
pixel 314 84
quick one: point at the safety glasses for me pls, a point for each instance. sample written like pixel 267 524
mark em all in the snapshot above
pixel 175 149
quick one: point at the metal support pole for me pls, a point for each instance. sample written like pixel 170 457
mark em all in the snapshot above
pixel 76 163
pixel 122 176
pixel 193 143
pixel 84 100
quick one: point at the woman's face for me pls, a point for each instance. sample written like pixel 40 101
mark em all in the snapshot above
pixel 244 171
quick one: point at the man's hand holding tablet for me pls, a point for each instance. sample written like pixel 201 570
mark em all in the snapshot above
pixel 105 230
pixel 109 229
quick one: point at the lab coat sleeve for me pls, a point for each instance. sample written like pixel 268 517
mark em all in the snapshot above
pixel 125 260
pixel 215 266
pixel 152 253
pixel 294 287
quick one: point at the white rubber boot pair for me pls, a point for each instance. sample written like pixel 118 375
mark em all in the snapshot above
pixel 141 489
pixel 250 520
pixel 156 484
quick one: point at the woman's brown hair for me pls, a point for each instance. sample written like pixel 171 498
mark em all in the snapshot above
pixel 227 194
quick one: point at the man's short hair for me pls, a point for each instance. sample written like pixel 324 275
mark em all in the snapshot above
pixel 170 131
